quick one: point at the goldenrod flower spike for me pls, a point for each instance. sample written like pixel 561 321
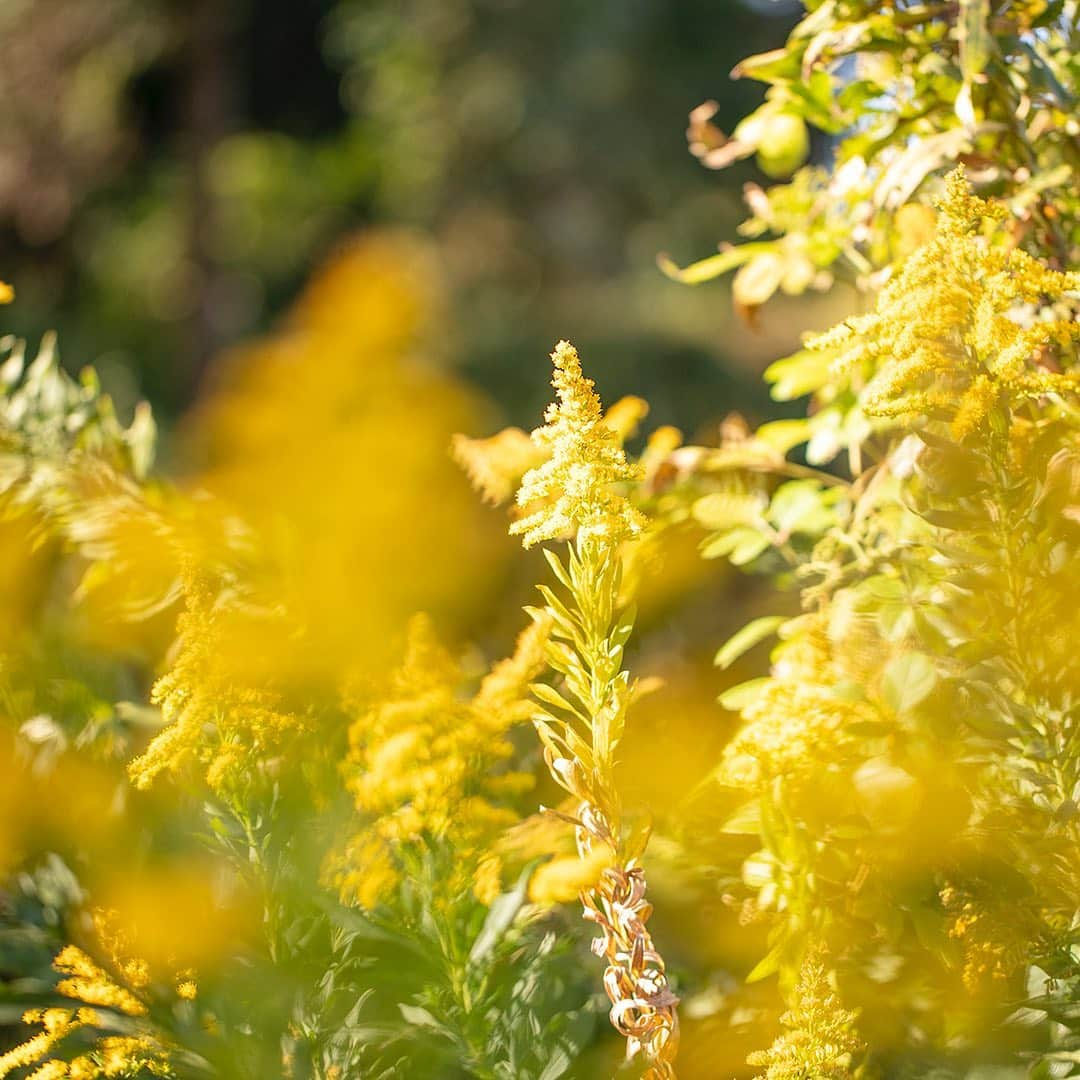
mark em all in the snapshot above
pixel 572 490
pixel 819 1039
pixel 948 335
pixel 574 496
pixel 211 717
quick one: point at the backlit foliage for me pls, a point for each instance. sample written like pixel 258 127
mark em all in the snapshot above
pixel 252 712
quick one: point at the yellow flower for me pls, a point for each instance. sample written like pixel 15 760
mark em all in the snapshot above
pixel 7 293
pixel 88 982
pixel 496 465
pixel 566 877
pixel 995 943
pixel 792 729
pixel 572 490
pixel 211 717
pixel 487 881
pixel 625 416
pixel 424 762
pixel 952 334
pixel 51 1070
pixel 820 1039
pixel 57 1025
pixel 504 690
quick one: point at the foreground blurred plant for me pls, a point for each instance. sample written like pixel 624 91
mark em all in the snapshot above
pixel 398 794
pixel 117 999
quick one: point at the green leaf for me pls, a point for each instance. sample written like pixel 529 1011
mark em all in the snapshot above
pixel 723 544
pixel 802 506
pixel 749 549
pixel 723 509
pixel 500 916
pixel 904 175
pixel 768 965
pixel 746 821
pixel 564 618
pixel 782 435
pixel 799 374
pixel 550 697
pixel 777 65
pixel 557 568
pixel 624 627
pixel 735 698
pixel 907 681
pixel 759 279
pixel 745 639
pixel 713 266
pixel 419 1017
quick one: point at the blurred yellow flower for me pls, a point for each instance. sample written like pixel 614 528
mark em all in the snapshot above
pixel 424 762
pixel 566 877
pixel 88 982
pixel 793 729
pixel 496 465
pixel 329 439
pixel 211 717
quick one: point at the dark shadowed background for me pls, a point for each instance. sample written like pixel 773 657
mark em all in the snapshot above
pixel 171 172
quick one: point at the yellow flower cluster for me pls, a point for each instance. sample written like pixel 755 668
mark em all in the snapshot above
pixel 953 333
pixel 325 439
pixel 993 943
pixel 792 729
pixel 820 1038
pixel 57 1024
pixel 211 717
pixel 571 492
pixel 88 982
pixel 566 877
pixel 424 762
pixel 495 465
pixel 111 1055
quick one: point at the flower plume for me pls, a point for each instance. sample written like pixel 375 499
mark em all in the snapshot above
pixel 572 490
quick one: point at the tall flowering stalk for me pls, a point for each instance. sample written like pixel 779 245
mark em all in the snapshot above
pixel 573 496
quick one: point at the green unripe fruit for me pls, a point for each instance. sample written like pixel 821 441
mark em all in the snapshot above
pixel 783 145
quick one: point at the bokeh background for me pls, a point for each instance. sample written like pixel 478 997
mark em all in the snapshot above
pixel 172 172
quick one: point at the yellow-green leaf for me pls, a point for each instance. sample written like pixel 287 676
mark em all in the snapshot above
pixel 745 639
